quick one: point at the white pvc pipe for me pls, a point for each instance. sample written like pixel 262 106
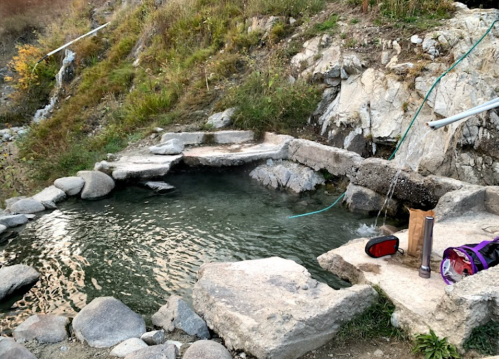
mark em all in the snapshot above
pixel 72 42
pixel 434 125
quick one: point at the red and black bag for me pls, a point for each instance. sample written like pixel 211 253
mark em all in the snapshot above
pixel 382 246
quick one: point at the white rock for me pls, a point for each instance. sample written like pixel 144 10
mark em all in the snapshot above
pixel 43 329
pixel 72 186
pixel 2 228
pixel 416 40
pixel 126 347
pixel 155 337
pixel 97 184
pixel 27 206
pixel 50 194
pixel 170 147
pixel 221 119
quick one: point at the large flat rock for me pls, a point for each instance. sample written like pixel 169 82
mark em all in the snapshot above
pixel 426 303
pixel 274 147
pixel 142 167
pixel 272 308
pixel 16 278
pixel 336 161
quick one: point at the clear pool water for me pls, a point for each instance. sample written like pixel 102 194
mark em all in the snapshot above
pixel 141 247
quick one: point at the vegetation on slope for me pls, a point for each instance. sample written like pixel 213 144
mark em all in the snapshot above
pixel 196 55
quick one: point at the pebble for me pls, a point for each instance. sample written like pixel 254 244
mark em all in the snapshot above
pixel 378 353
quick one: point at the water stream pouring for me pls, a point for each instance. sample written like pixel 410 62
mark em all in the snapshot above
pixel 425 269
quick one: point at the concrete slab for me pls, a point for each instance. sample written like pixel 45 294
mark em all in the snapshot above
pixel 220 137
pixel 274 147
pixel 420 303
pixel 142 167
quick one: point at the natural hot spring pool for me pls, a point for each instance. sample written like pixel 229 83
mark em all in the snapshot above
pixel 141 247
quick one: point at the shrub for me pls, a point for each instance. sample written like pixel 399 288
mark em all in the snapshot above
pixel 433 347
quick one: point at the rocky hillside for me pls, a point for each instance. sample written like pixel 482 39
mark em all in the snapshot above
pixel 172 64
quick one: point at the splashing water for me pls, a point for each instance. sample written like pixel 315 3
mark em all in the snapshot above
pixel 365 230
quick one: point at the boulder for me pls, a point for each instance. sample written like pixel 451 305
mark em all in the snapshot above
pixel 287 174
pixel 13 220
pixel 207 349
pixel 97 184
pixel 176 314
pixel 336 161
pixel 27 206
pixel 70 185
pixel 127 347
pixel 2 228
pixel 457 203
pixel 139 167
pixel 106 321
pixel 50 194
pixel 9 349
pixel 16 278
pixel 297 313
pixel 170 147
pixel 221 119
pixel 10 201
pixel 491 200
pixel 165 351
pixel 365 201
pixel 159 186
pixel 155 337
pixel 43 328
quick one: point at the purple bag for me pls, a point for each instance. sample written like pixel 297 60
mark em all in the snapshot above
pixel 460 262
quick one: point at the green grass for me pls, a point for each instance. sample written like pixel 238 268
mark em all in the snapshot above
pixel 484 339
pixel 373 323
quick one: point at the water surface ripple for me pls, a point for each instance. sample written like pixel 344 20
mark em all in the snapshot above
pixel 140 247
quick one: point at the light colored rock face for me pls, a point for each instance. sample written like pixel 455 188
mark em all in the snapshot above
pixel 13 220
pixel 296 314
pixel 336 161
pixel 140 167
pixel 9 349
pixel 170 147
pixel 106 322
pixel 43 328
pixel 127 347
pixel 16 278
pixel 274 147
pixel 165 351
pixel 27 206
pixel 287 174
pixel 50 194
pixel 207 349
pixel 221 119
pixel 229 137
pixel 154 338
pixel 70 185
pixel 365 201
pixel 176 314
pixel 380 104
pixel 2 228
pixel 97 184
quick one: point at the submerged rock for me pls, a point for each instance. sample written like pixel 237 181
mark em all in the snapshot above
pixel 127 347
pixel 177 314
pixel 287 174
pixel 106 322
pixel 13 220
pixel 43 328
pixel 9 349
pixel 70 185
pixel 207 349
pixel 97 184
pixel 159 187
pixel 295 315
pixel 16 278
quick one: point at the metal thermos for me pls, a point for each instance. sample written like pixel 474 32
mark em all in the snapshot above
pixel 425 269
